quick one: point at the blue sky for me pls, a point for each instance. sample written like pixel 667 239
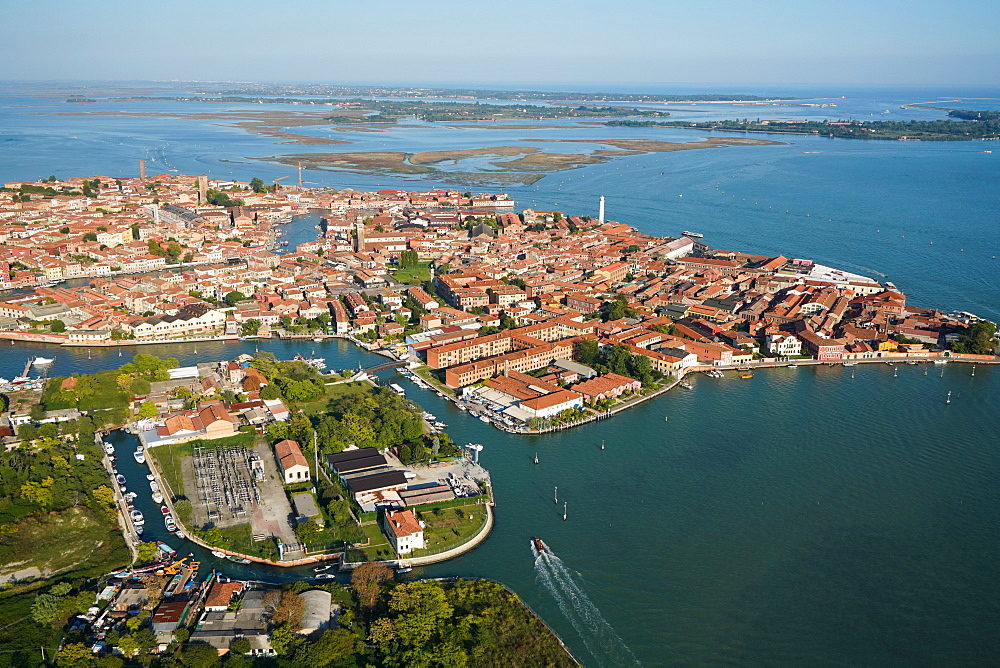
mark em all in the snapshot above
pixel 517 41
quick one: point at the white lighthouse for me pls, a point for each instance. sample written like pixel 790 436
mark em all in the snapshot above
pixel 600 211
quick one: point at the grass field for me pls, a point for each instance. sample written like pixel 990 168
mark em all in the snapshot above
pixel 450 527
pixel 416 274
pixel 335 392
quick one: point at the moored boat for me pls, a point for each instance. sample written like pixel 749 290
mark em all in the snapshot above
pixel 237 560
pixel 157 497
pixel 140 457
pixel 219 554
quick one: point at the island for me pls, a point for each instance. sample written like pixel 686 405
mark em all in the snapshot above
pixel 974 126
pixel 532 321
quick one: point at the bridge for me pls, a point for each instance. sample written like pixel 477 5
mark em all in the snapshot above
pixel 363 374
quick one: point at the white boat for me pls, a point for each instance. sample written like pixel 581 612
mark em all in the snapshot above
pixel 108 448
pixel 153 487
pixel 217 553
pixel 693 235
pixel 150 476
pixel 325 576
pixel 41 361
pixel 940 361
pixel 139 456
pixel 157 497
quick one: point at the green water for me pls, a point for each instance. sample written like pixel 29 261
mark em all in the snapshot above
pixel 799 517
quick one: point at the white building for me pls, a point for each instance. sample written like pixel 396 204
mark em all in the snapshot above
pixel 781 345
pixel 404 531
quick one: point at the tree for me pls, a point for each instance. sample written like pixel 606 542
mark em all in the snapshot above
pixel 257 185
pixel 147 410
pixel 240 645
pixel 586 351
pixel 45 608
pixel 367 581
pixel 424 608
pixel 182 634
pixel 74 655
pixel 332 645
pixel 199 655
pixel 38 492
pixel 146 553
pixel 285 607
pixel 307 531
pixel 174 251
pixel 90 236
pixel 281 638
pixel 251 327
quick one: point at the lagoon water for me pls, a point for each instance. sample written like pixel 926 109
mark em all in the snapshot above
pixel 802 517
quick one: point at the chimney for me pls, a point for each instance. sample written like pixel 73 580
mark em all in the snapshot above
pixel 142 170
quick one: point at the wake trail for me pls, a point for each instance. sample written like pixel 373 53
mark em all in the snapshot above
pixel 600 639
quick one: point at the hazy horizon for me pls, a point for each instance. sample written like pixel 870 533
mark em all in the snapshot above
pixel 642 42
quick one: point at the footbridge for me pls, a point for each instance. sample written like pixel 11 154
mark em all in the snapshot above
pixel 363 374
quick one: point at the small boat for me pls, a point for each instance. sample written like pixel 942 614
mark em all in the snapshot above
pixel 153 487
pixel 120 479
pixel 538 544
pixel 693 235
pixel 150 476
pixel 108 448
pixel 41 361
pixel 219 554
pixel 400 571
pixel 326 576
pixel 317 339
pixel 168 522
pixel 536 459
pixel 164 510
pixel 136 516
pixel 237 560
pixel 685 385
pixel 139 456
pixel 793 365
pixel 850 363
pixel 157 497
pixel 746 375
pixel 320 569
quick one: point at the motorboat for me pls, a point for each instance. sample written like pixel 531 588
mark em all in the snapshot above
pixel 42 361
pixel 164 510
pixel 320 569
pixel 150 476
pixel 400 571
pixel 109 449
pixel 538 545
pixel 237 560
pixel 153 487
pixel 168 521
pixel 157 497
pixel 120 479
pixel 140 457
pixel 219 554
pixel 137 517
pixel 326 576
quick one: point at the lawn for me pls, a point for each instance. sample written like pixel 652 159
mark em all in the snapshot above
pixel 414 275
pixel 450 527
pixel 169 458
pixel 378 547
pixel 335 392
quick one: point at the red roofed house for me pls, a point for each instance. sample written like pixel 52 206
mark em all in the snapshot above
pixel 404 531
pixel 293 463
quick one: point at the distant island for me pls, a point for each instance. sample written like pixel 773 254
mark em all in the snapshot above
pixel 473 93
pixel 975 125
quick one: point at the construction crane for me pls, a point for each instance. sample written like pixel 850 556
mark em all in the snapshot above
pixel 275 187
